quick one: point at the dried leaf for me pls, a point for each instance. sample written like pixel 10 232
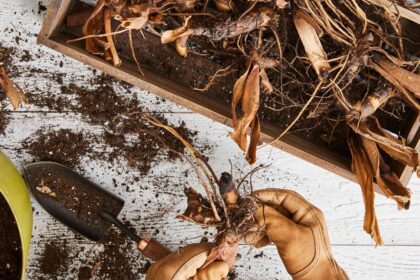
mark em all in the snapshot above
pixel 405 78
pixel 238 92
pixel 198 210
pixel 361 167
pixel 251 155
pixel 385 178
pixel 250 105
pixel 396 148
pixel 13 92
pixel 310 39
pixel 393 77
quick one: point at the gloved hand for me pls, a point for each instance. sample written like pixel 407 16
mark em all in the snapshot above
pixel 298 230
pixel 184 263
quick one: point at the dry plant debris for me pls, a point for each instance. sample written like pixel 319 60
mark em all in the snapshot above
pixel 13 91
pixel 223 207
pixel 344 63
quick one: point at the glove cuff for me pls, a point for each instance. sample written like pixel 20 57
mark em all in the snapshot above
pixel 322 270
pixel 323 266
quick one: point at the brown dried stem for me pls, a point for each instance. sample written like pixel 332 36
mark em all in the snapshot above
pixel 193 152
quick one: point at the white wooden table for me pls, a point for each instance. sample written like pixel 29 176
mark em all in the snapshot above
pixel 341 200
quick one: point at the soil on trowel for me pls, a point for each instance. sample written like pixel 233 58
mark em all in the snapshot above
pixel 10 246
pixel 63 146
pixel 82 201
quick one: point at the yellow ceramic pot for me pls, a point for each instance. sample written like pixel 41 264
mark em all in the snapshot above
pixel 14 190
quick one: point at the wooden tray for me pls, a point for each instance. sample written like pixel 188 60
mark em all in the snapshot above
pixel 54 35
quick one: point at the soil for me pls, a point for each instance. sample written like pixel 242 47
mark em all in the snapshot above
pixel 6 56
pixel 10 246
pixel 115 262
pixel 63 146
pixel 121 117
pixel 84 202
pixel 117 259
pixel 4 121
pixel 55 258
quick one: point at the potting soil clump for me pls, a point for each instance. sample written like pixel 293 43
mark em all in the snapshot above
pixel 10 246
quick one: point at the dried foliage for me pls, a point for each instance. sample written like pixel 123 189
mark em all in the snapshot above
pixel 13 92
pixel 365 175
pixel 342 65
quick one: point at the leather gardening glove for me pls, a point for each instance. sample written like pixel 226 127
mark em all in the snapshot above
pixel 298 230
pixel 185 264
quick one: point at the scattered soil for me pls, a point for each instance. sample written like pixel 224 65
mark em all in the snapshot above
pixel 41 7
pixel 63 146
pixel 75 196
pixel 55 258
pixel 232 275
pixel 4 121
pixel 84 273
pixel 10 247
pixel 122 117
pixel 116 261
pixel 6 56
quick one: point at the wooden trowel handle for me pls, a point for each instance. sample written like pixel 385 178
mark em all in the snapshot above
pixel 153 249
pixel 150 248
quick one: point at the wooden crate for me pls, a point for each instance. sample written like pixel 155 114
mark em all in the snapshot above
pixel 55 36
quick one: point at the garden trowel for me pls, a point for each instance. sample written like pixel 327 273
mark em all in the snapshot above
pixel 83 206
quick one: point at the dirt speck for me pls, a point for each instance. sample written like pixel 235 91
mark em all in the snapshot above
pixel 63 146
pixel 55 258
pixel 85 273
